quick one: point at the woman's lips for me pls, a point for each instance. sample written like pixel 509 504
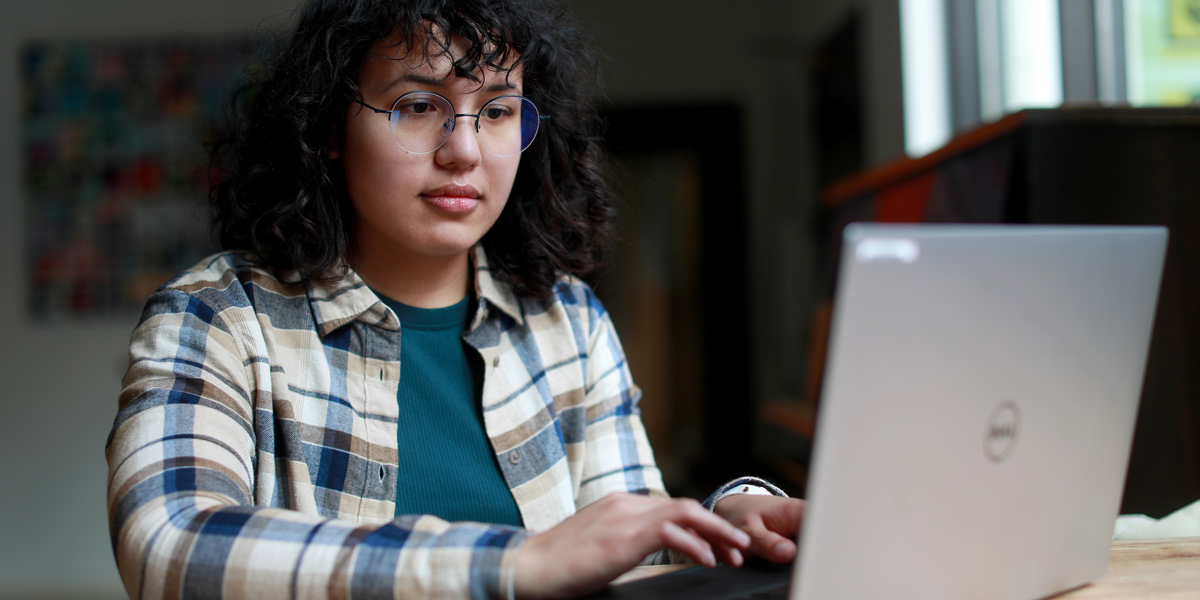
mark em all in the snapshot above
pixel 453 198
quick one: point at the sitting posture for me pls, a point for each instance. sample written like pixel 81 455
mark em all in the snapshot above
pixel 394 381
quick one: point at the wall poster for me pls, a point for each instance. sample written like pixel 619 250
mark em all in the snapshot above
pixel 115 171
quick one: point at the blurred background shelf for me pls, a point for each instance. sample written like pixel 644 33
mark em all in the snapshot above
pixel 1073 165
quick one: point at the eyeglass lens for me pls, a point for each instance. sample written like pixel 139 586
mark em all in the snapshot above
pixel 422 122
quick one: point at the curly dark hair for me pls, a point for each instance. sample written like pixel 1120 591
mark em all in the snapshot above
pixel 283 199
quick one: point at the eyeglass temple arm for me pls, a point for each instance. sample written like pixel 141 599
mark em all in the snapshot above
pixel 365 105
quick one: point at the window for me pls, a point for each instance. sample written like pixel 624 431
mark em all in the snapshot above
pixel 967 62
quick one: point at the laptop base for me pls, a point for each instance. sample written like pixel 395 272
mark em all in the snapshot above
pixel 753 581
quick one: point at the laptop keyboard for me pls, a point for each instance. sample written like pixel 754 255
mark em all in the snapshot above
pixel 779 593
pixel 755 581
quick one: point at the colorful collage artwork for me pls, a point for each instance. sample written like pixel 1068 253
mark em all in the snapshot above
pixel 115 167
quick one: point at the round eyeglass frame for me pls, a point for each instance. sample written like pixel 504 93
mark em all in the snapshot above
pixel 453 120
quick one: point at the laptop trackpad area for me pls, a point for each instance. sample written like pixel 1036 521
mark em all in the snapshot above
pixel 752 582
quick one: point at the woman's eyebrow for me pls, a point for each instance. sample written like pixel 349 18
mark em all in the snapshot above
pixel 429 81
pixel 416 78
pixel 503 86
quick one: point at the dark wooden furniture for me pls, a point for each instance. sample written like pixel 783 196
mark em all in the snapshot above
pixel 1086 165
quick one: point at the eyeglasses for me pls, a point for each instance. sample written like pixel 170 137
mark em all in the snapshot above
pixel 422 121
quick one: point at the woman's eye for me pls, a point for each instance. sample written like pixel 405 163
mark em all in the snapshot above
pixel 494 113
pixel 417 107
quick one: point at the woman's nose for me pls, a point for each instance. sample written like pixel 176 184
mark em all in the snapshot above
pixel 462 147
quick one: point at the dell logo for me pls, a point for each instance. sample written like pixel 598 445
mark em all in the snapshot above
pixel 1000 434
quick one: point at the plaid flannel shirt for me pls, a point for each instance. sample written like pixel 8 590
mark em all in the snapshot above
pixel 254 452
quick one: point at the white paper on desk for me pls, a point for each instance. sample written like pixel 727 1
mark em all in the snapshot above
pixel 1184 522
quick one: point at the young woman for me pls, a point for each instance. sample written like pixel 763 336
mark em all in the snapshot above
pixel 393 382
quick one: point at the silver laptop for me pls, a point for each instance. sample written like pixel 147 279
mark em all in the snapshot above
pixel 976 416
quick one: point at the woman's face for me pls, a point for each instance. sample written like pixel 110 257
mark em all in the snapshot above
pixel 413 207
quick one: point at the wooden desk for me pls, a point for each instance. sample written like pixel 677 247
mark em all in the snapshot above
pixel 1137 569
pixel 1148 569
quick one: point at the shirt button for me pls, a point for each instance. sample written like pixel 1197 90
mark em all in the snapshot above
pixel 514 457
pixel 495 361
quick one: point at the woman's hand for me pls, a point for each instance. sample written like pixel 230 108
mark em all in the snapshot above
pixel 772 522
pixel 613 535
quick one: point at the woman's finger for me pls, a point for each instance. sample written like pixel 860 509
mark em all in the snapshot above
pixel 711 527
pixel 785 517
pixel 768 544
pixel 730 555
pixel 687 543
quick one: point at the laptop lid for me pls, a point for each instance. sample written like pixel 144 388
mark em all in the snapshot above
pixel 977 409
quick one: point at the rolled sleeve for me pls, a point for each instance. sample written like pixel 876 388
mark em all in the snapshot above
pixel 620 458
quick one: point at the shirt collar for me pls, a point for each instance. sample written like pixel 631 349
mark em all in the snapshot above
pixel 497 293
pixel 337 303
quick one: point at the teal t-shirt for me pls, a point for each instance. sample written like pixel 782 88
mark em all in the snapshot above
pixel 447 466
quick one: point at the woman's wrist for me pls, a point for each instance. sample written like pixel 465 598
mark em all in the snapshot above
pixel 741 486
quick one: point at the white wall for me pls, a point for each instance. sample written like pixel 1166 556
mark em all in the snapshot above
pixel 60 381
